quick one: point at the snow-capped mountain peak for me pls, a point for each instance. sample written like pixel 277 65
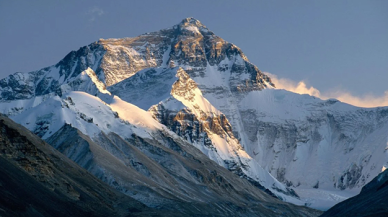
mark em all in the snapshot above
pixel 192 25
pixel 186 84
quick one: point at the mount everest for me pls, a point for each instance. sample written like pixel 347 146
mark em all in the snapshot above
pixel 146 114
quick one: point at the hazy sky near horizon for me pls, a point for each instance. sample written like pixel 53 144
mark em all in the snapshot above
pixel 332 45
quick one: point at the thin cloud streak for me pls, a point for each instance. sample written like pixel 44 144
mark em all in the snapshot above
pixel 366 101
pixel 94 13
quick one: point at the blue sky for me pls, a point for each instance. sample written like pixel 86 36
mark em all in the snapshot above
pixel 330 45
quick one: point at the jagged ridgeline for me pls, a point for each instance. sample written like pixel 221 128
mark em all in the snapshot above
pixel 170 105
pixel 188 44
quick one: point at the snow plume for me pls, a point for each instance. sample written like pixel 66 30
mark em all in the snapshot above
pixel 296 87
pixel 366 101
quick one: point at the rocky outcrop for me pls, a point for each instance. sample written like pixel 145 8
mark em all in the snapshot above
pixel 47 80
pixel 185 124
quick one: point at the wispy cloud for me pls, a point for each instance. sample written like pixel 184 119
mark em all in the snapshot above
pixel 302 87
pixel 94 12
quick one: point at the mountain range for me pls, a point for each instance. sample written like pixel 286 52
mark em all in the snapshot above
pixel 179 119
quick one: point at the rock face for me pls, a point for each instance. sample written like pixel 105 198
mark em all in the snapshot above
pixel 37 180
pixel 372 200
pixel 185 82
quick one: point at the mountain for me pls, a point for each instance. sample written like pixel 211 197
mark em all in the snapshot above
pixel 37 180
pixel 103 64
pixel 372 200
pixel 185 89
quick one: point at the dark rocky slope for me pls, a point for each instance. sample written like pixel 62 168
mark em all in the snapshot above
pixel 37 180
pixel 372 200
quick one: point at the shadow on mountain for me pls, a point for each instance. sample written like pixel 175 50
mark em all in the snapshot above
pixel 37 180
pixel 372 200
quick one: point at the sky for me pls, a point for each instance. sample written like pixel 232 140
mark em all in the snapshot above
pixel 330 49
